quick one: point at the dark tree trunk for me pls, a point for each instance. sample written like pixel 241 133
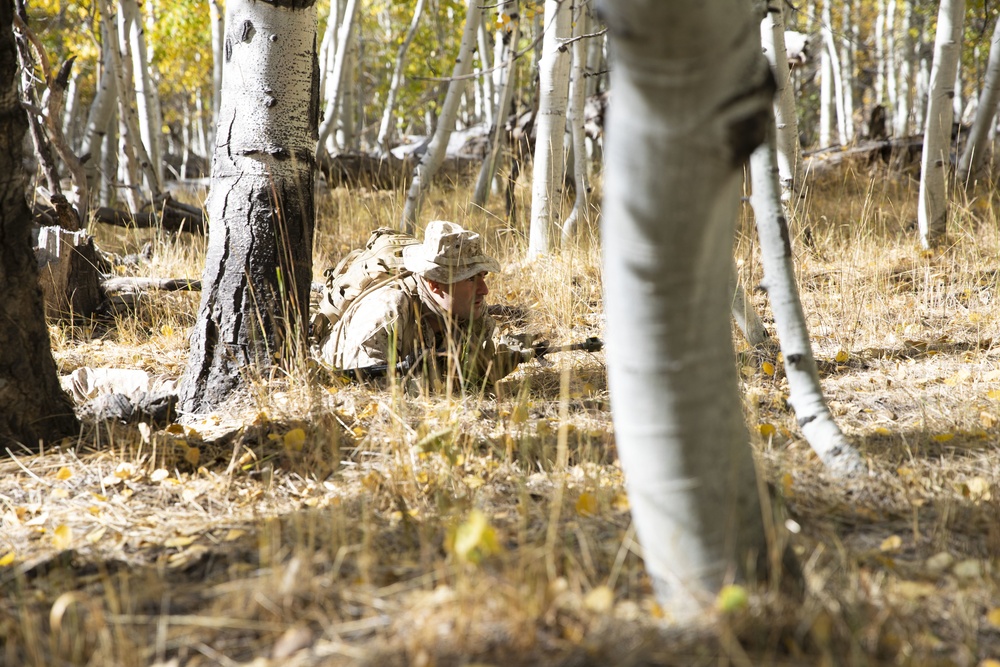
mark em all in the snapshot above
pixel 33 407
pixel 258 268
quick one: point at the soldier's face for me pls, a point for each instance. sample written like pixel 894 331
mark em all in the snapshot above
pixel 465 299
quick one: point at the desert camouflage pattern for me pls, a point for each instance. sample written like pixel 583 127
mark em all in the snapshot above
pixel 397 320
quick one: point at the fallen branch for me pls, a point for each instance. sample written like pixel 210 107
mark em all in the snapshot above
pixel 115 286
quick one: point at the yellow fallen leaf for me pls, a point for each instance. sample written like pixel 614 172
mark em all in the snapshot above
pixel 994 394
pixel 233 534
pixel 600 600
pixel 993 617
pixel 767 430
pixel 167 330
pixel 942 437
pixel 7 559
pixel 475 539
pixel 586 505
pixel 175 429
pixel 987 419
pixel 767 368
pixel 788 484
pixel 891 543
pixel 881 430
pixel 519 415
pixel 842 357
pixel 732 598
pixel 369 410
pixel 62 537
pixel 178 541
pixel 294 439
pixel 64 473
pixel 96 534
pixel 192 455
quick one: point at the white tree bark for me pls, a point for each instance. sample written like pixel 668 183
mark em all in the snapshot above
pixel 805 392
pixel 848 36
pixel 891 56
pixel 100 115
pixel 258 264
pixel 687 73
pixel 484 82
pixel 146 96
pixel 904 66
pixel 986 111
pixel 505 84
pixel 431 161
pixel 336 77
pixel 217 18
pixel 932 209
pixel 833 67
pixel 549 165
pixel 790 165
pixel 136 163
pixel 827 115
pixel 388 114
pixel 880 52
pixel 577 97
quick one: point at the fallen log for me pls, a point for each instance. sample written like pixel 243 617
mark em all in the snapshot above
pixel 170 217
pixel 114 286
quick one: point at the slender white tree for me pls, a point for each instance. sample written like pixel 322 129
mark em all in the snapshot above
pixel 508 36
pixel 986 111
pixel 146 96
pixel 389 112
pixel 693 96
pixel 790 164
pixel 577 95
pixel 832 67
pixel 904 65
pixel 217 18
pixel 424 172
pixel 550 125
pixel 932 208
pixel 258 265
pixel 335 78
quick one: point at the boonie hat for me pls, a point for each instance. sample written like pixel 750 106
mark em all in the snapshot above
pixel 448 254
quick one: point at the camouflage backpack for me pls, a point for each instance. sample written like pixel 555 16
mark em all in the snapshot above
pixel 361 271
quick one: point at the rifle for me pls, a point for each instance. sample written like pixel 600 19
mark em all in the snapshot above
pixel 535 351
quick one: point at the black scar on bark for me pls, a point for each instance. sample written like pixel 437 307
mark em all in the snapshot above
pixel 747 133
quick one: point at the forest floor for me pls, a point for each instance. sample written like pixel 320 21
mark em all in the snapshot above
pixel 323 524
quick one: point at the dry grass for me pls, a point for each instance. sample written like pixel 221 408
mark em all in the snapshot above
pixel 331 525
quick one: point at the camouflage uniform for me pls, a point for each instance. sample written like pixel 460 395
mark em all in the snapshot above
pixel 401 319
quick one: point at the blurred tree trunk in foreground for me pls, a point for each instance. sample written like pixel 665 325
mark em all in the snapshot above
pixel 33 407
pixel 258 267
pixel 693 97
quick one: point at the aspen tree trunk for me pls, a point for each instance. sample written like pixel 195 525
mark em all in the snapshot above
pixel 986 111
pixel 336 77
pixel 805 393
pixel 826 113
pixel 346 136
pixel 258 267
pixel 424 172
pixel 880 51
pixel 847 37
pixel 389 113
pixel 136 158
pixel 891 56
pixel 932 208
pixel 790 165
pixel 692 99
pixel 833 67
pixel 548 166
pixel 485 81
pixel 498 138
pixel 147 103
pixel 33 407
pixel 577 92
pixel 100 115
pixel 904 65
pixel 328 47
pixel 217 18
